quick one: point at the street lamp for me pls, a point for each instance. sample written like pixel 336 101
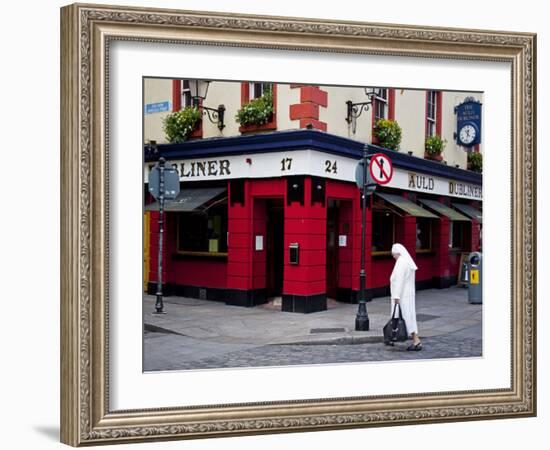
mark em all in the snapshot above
pixel 199 91
pixel 354 110
pixel 366 187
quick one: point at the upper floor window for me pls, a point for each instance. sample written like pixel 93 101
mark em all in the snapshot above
pixel 258 89
pixel 381 105
pixel 433 113
pixel 186 99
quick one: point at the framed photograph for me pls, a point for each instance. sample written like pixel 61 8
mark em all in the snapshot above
pixel 285 224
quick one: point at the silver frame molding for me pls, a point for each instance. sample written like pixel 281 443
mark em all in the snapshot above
pixel 86 31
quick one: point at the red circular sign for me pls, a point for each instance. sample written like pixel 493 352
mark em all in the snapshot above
pixel 381 168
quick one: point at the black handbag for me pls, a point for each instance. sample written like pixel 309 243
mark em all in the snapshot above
pixel 395 330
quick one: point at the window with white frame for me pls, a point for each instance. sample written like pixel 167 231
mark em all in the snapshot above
pixel 186 99
pixel 431 113
pixel 381 105
pixel 258 89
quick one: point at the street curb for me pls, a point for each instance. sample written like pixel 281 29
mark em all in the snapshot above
pixel 157 329
pixel 348 340
pixel 337 341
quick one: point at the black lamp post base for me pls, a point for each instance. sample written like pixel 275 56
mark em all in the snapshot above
pixel 362 324
pixel 159 304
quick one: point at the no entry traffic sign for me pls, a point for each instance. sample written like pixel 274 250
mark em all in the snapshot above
pixel 381 169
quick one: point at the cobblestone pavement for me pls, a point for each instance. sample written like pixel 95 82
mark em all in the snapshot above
pixel 461 344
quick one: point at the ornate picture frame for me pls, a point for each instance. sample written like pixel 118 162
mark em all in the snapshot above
pixel 86 34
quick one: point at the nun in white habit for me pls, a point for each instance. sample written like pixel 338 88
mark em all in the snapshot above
pixel 402 290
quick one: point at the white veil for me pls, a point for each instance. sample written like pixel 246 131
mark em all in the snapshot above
pixel 398 248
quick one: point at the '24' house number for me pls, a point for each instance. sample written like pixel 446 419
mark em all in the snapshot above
pixel 330 166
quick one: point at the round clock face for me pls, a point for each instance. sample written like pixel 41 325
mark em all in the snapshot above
pixel 467 134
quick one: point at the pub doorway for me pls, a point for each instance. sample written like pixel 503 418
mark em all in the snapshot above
pixel 332 248
pixel 274 247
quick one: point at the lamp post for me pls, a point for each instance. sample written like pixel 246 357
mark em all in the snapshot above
pixel 362 318
pixel 199 91
pixel 159 304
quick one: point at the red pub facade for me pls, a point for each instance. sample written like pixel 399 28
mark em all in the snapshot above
pixel 279 214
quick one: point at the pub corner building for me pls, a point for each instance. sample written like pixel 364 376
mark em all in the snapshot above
pixel 273 210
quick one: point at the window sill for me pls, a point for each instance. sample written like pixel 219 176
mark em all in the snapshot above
pixel 426 252
pixel 437 158
pixel 269 126
pixel 382 255
pixel 191 254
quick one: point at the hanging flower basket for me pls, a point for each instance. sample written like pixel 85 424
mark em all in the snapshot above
pixel 180 125
pixel 475 162
pixel 433 147
pixel 388 133
pixel 256 114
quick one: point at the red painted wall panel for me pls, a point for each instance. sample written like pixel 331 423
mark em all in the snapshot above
pixel 199 272
pixel 381 271
pixel 309 257
pixel 426 267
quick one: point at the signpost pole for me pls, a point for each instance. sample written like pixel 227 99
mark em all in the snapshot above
pixel 362 318
pixel 159 305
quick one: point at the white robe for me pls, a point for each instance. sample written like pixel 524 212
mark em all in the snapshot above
pixel 402 287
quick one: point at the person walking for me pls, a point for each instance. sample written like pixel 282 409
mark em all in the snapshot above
pixel 402 291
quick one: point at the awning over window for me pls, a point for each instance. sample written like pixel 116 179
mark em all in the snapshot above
pixel 406 205
pixel 444 210
pixel 470 211
pixel 189 199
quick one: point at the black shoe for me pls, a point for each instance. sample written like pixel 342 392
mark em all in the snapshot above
pixel 390 343
pixel 415 347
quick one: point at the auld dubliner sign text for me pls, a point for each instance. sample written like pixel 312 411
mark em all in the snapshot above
pixel 314 163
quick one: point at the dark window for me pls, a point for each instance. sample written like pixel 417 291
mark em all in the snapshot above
pixel 423 233
pixel 383 230
pixel 237 192
pixel 295 190
pixel 456 234
pixel 204 231
pixel 317 191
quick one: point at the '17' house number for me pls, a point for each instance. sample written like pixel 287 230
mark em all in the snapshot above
pixel 330 166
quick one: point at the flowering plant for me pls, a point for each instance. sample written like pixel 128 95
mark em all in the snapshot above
pixel 258 111
pixel 180 124
pixel 475 162
pixel 434 145
pixel 388 133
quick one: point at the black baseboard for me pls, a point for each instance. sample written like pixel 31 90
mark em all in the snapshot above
pixel 247 298
pixel 348 295
pixel 424 284
pixel 234 297
pixel 304 303
pixel 444 282
pixel 167 289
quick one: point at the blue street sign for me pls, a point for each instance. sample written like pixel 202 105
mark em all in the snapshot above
pixel 152 108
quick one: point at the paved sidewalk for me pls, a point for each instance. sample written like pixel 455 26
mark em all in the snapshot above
pixel 205 334
pixel 439 311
